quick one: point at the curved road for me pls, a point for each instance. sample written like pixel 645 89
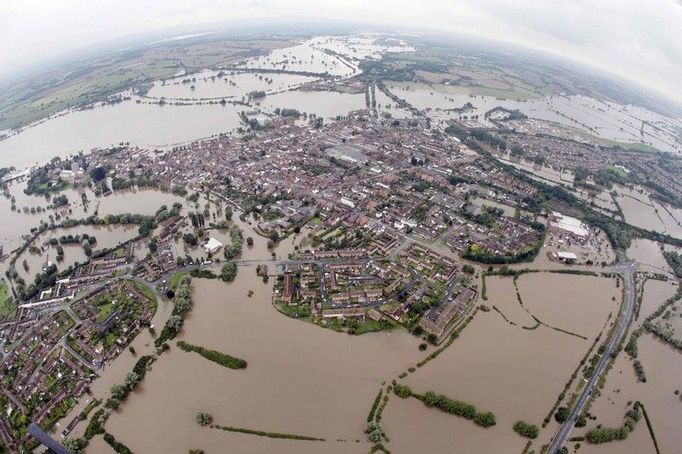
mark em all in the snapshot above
pixel 626 270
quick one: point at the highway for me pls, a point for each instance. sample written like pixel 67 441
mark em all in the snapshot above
pixel 627 270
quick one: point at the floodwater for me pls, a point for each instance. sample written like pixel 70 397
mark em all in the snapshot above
pixel 150 125
pixel 145 125
pixel 209 85
pixel 579 304
pixel 144 201
pixel 603 119
pixel 663 369
pixel 294 369
pixel 114 373
pixel 648 253
pixel 514 372
pixel 107 237
pixel 325 104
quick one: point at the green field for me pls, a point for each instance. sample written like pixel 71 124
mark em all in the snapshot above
pixel 94 80
pixel 633 146
pixel 174 280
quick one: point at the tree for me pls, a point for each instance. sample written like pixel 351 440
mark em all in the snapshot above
pixel 153 245
pixel 119 392
pixel 98 173
pixel 204 419
pixel 190 238
pixel 486 419
pixel 249 241
pixel 430 398
pixel 561 414
pixel 402 391
pixel 75 445
pixel 175 322
pixel 374 432
pixel 228 272
pixel 131 380
pixel 87 248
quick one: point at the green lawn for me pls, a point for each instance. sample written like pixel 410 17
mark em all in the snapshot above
pixel 175 279
pixel 104 311
pixel 6 302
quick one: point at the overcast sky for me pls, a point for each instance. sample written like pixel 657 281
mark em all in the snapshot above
pixel 637 39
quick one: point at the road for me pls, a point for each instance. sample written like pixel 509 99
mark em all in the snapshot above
pixel 627 270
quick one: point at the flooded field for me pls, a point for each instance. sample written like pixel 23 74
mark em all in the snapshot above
pixel 325 104
pixel 336 55
pixel 285 374
pixel 662 366
pixel 145 201
pixel 544 173
pixel 497 366
pixel 386 106
pixel 481 202
pixel 227 85
pixel 663 369
pixel 107 237
pixel 151 125
pixel 648 253
pixel 578 304
pixel 655 294
pixel 304 58
pixel 145 125
pixel 603 119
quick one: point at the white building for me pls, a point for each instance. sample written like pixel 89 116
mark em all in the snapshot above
pixel 565 256
pixel 566 224
pixel 212 246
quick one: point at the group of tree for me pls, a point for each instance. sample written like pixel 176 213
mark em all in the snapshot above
pixel 456 407
pixel 197 219
pixel 674 261
pixel 608 434
pixel 217 357
pixel 120 393
pixel 284 112
pixel 233 249
pixel 181 305
pixel 526 429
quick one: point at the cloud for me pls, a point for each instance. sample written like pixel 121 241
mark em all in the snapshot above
pixel 637 39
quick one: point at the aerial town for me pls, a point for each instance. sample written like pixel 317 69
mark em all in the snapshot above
pixel 400 230
pixel 395 216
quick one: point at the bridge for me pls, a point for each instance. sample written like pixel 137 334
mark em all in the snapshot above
pixel 47 441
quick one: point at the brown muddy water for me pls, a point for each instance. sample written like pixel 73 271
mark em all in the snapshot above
pixel 514 372
pixel 579 304
pixel 300 378
pixel 19 223
pixel 663 369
